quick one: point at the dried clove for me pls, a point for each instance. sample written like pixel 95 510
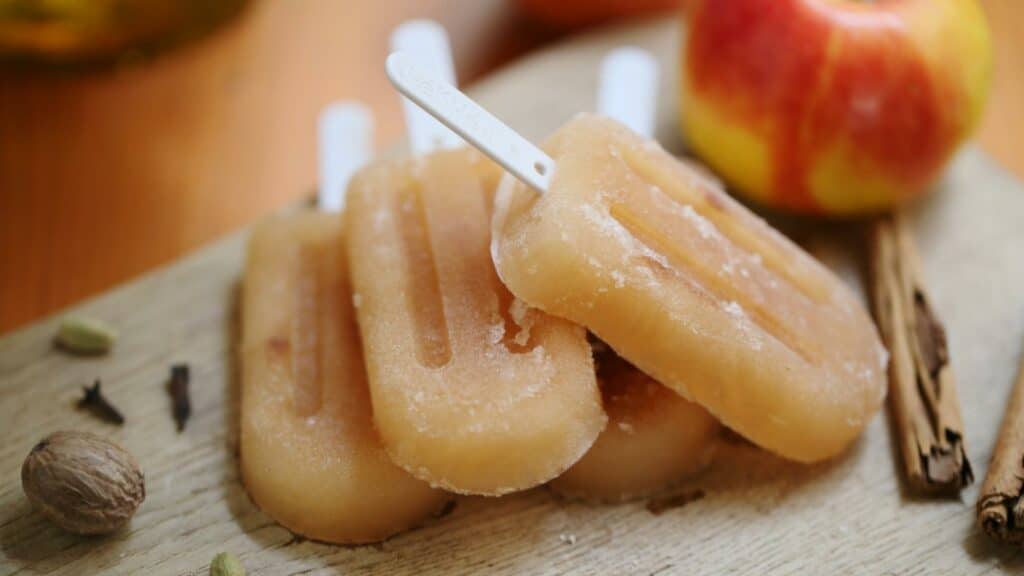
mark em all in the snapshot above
pixel 97 403
pixel 182 405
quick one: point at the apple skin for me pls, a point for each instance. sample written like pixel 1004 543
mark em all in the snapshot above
pixel 832 107
pixel 570 14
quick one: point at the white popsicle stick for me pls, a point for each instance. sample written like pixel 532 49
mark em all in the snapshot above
pixel 427 43
pixel 346 143
pixel 478 126
pixel 628 88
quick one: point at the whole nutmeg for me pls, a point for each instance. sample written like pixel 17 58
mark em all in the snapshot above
pixel 82 483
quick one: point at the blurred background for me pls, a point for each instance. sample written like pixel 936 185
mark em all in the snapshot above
pixel 134 131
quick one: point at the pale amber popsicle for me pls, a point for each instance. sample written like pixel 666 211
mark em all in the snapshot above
pixel 310 457
pixel 472 390
pixel 693 289
pixel 654 439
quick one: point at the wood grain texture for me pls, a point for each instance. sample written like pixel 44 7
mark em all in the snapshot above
pixel 759 514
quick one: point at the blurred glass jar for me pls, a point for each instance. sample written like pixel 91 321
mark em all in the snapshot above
pixel 115 159
pixel 41 32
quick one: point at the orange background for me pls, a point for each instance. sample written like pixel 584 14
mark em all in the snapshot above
pixel 159 158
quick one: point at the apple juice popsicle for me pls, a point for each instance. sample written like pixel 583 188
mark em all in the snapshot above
pixel 472 390
pixel 310 457
pixel 655 438
pixel 693 289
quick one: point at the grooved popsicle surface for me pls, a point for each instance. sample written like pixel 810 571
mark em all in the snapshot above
pixel 310 455
pixel 760 515
pixel 472 391
pixel 692 288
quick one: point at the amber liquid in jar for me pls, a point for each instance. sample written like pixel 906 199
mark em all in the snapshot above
pixel 47 32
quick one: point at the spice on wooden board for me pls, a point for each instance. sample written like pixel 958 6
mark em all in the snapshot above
pixel 1001 502
pixel 83 483
pixel 226 564
pixel 922 389
pixel 85 336
pixel 94 401
pixel 178 387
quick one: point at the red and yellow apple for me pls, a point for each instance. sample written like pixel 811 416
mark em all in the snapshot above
pixel 835 107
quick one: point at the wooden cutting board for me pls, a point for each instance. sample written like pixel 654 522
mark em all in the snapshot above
pixel 759 514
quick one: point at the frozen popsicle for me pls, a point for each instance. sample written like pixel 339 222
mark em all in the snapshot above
pixel 694 289
pixel 310 457
pixel 675 276
pixel 655 438
pixel 472 390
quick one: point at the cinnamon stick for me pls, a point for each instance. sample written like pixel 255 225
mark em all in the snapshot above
pixel 1000 506
pixel 922 390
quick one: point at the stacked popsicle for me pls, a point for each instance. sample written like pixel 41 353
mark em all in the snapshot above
pixel 457 330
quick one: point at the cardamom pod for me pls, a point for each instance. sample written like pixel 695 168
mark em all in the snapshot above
pixel 226 564
pixel 82 335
